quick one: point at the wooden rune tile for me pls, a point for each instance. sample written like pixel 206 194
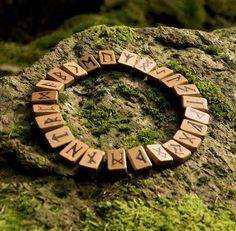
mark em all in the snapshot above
pixel 158 154
pixel 88 63
pixel 48 85
pixel 45 109
pixel 75 70
pixel 49 122
pixel 174 80
pixel 187 89
pixel 138 158
pixel 116 160
pixel 193 127
pixel 47 97
pixel 74 151
pixel 195 102
pixel 127 58
pixel 160 73
pixel 92 159
pixel 145 65
pixel 196 115
pixel 188 140
pixel 61 76
pixel 59 137
pixel 107 57
pixel 177 151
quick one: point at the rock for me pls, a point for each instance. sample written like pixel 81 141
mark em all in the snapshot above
pixel 208 59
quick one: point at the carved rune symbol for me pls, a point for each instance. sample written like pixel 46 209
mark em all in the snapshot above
pixel 177 148
pixel 60 75
pixel 74 149
pixel 44 95
pixel 187 138
pixel 198 127
pixel 146 64
pixel 128 57
pixel 159 152
pixel 91 158
pixel 51 120
pixel 140 156
pixel 104 55
pixel 114 161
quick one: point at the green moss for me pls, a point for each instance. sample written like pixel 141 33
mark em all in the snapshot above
pixel 219 106
pixel 189 213
pixel 116 34
pixel 63 98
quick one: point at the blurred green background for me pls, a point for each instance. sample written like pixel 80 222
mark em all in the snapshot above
pixel 29 28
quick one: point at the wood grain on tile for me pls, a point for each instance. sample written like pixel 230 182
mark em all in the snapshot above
pixel 127 58
pixel 195 102
pixel 187 89
pixel 107 57
pixel 47 97
pixel 74 151
pixel 188 140
pixel 45 109
pixel 92 159
pixel 61 76
pixel 116 160
pixel 49 122
pixel 138 158
pixel 59 137
pixel 89 63
pixel 48 85
pixel 193 127
pixel 196 115
pixel 177 151
pixel 158 154
pixel 75 70
pixel 174 80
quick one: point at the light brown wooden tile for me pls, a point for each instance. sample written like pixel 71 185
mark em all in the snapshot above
pixel 74 151
pixel 75 70
pixel 174 80
pixel 89 63
pixel 177 151
pixel 127 58
pixel 188 140
pixel 48 85
pixel 92 159
pixel 47 97
pixel 49 122
pixel 45 109
pixel 138 158
pixel 158 154
pixel 193 127
pixel 187 89
pixel 107 57
pixel 116 160
pixel 59 137
pixel 196 115
pixel 160 73
pixel 145 65
pixel 61 76
pixel 195 102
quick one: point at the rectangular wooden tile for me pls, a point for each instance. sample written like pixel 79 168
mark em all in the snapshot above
pixel 45 109
pixel 193 127
pixel 47 97
pixel 196 115
pixel 48 85
pixel 160 73
pixel 177 151
pixel 116 160
pixel 158 154
pixel 61 76
pixel 187 89
pixel 107 57
pixel 49 122
pixel 188 140
pixel 74 151
pixel 92 159
pixel 127 58
pixel 174 80
pixel 145 65
pixel 59 137
pixel 195 102
pixel 138 158
pixel 75 70
pixel 89 63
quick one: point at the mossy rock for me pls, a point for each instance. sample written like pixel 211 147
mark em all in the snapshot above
pixel 117 108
